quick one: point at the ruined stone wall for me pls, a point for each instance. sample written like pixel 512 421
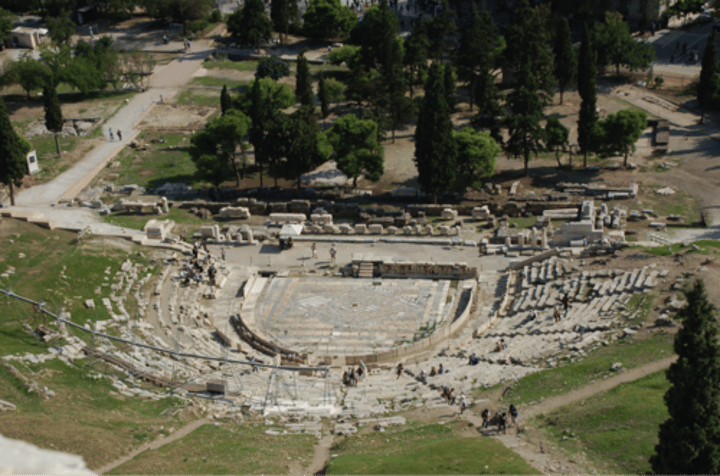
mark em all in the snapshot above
pixel 426 270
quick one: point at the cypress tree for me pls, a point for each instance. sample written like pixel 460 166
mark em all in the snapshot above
pixel 280 16
pixel 303 82
pixel 709 87
pixel 435 150
pixel 468 53
pixel 526 111
pixel 690 438
pixel 323 96
pixel 586 87
pixel 53 114
pixel 565 61
pixel 13 150
pixel 449 79
pixel 259 124
pixel 225 100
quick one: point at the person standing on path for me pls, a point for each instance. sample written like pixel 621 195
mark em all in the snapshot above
pixel 110 133
pixel 222 253
pixel 333 253
pixel 313 248
pixel 119 135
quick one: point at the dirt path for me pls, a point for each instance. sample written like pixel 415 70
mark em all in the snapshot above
pixel 182 432
pixel 321 456
pixel 535 449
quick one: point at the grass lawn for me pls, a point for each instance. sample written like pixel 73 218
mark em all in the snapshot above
pixel 225 449
pixel 618 428
pixel 137 221
pixel 238 65
pixel 162 162
pixel 424 449
pixel 214 82
pixel 706 247
pixel 197 96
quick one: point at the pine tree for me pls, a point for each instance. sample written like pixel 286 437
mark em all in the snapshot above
pixel 587 122
pixel 449 80
pixel 525 113
pixel 490 111
pixel 280 16
pixel 323 96
pixel 708 92
pixel 435 149
pixel 225 100
pixel 689 441
pixel 53 114
pixel 303 82
pixel 13 149
pixel 565 61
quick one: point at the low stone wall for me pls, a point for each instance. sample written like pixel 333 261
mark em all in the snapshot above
pixel 426 270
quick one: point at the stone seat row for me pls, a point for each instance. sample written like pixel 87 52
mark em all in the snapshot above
pixel 378 229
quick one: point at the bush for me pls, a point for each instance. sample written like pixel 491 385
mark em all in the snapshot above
pixel 216 16
pixel 198 25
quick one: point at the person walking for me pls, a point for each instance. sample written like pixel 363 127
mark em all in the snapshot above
pixel 556 315
pixel 333 253
pixel 110 133
pixel 119 135
pixel 222 253
pixel 313 248
pixel 463 403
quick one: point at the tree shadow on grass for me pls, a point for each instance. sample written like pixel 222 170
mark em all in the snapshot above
pixel 180 178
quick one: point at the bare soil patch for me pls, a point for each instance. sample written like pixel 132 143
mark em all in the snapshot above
pixel 174 117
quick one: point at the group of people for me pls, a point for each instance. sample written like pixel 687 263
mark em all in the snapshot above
pixel 500 346
pixel 112 136
pixel 333 252
pixel 501 418
pixel 351 376
pixel 195 269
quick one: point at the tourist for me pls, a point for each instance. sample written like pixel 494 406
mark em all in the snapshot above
pixel 433 372
pixel 313 248
pixel 423 377
pixel 345 379
pixel 360 374
pixel 498 347
pixel 441 370
pixel 502 423
pixel 399 370
pixel 110 133
pixel 565 301
pixel 451 397
pixel 474 359
pixel 513 414
pixel 556 315
pixel 533 314
pixel 254 367
pixel 333 253
pixel 503 344
pixel 463 403
pixel 119 135
pixel 485 417
pixel 222 253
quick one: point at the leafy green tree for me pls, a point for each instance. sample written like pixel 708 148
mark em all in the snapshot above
pixel 57 60
pixel 61 28
pixel 565 60
pixel 309 147
pixel 588 118
pixel 7 18
pixel 323 96
pixel 379 26
pixel 708 91
pixel 137 66
pixel 225 100
pixel 250 24
pixel 476 155
pixel 272 67
pixel 615 45
pixel 280 16
pixel 30 73
pixel 348 54
pixel 84 75
pixel 689 440
pixel 327 19
pixel 13 150
pixel 417 47
pixel 398 107
pixel 490 110
pixel 104 57
pixel 53 114
pixel 449 83
pixel 525 113
pixel 335 90
pixel 213 149
pixel 528 48
pixel 303 82
pixel 356 147
pixel 684 7
pixel 556 136
pixel 440 28
pixel 623 129
pixel 179 11
pixel 435 150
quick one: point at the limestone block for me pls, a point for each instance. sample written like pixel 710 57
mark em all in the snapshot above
pixel 288 217
pixel 360 229
pixel 346 229
pixel 332 229
pixel 449 214
pixel 444 230
pixel 210 231
pixel 375 229
pixel 408 230
pixel 480 213
pixel 454 231
pixel 429 229
pixel 392 230
pixel 234 212
pixel 321 218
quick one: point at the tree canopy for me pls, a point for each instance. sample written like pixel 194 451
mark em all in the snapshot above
pixel 566 65
pixel 689 440
pixel 61 28
pixel 523 120
pixel 7 19
pixel 708 91
pixel 250 24
pixel 616 46
pixel 53 113
pixel 327 19
pixel 13 150
pixel 356 147
pixel 272 67
pixel 476 154
pixel 308 148
pixel 303 82
pixel 556 136
pixel 213 149
pixel 622 130
pixel 587 121
pixel 225 100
